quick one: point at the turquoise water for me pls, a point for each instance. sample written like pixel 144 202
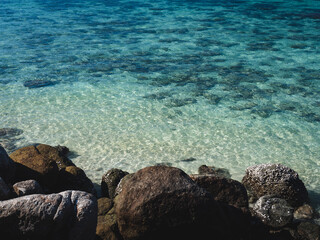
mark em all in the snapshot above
pixel 128 84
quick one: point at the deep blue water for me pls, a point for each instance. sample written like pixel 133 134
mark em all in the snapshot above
pixel 129 84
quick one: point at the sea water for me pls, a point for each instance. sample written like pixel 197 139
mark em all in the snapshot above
pixel 128 84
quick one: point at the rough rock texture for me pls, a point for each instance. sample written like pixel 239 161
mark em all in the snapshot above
pixel 67 215
pixel 107 227
pixel 224 190
pixel 104 205
pixel 275 179
pixel 74 178
pixel 110 181
pixel 27 187
pixel 274 212
pixel 219 172
pixel 309 231
pixel 42 163
pixel 7 166
pixel 305 212
pixel 162 202
pixel 4 190
pixel 32 164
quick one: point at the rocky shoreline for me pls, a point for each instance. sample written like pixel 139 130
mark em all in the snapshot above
pixel 44 195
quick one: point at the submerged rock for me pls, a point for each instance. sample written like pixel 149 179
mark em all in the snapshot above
pixel 275 179
pixel 37 83
pixel 274 212
pixel 67 215
pixel 8 138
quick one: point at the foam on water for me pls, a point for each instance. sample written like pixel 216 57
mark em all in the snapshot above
pixel 131 84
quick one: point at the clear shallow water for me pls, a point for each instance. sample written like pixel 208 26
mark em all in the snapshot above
pixel 129 84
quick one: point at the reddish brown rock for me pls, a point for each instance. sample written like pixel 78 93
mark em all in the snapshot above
pixel 32 164
pixel 162 202
pixel 74 178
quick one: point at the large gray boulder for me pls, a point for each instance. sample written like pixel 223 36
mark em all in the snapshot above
pixel 275 179
pixel 163 202
pixel 66 215
pixel 7 166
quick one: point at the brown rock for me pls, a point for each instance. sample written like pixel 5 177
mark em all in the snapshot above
pixel 162 202
pixel 224 190
pixel 309 231
pixel 32 164
pixel 104 206
pixel 74 178
pixel 107 227
pixel 110 181
pixel 305 212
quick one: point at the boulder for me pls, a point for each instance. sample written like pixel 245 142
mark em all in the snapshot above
pixel 274 212
pixel 224 190
pixel 27 187
pixel 110 181
pixel 107 227
pixel 31 164
pixel 4 190
pixel 41 163
pixel 309 231
pixel 275 179
pixel 74 178
pixel 219 172
pixel 104 206
pixel 7 166
pixel 67 215
pixel 161 202
pixel 305 212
